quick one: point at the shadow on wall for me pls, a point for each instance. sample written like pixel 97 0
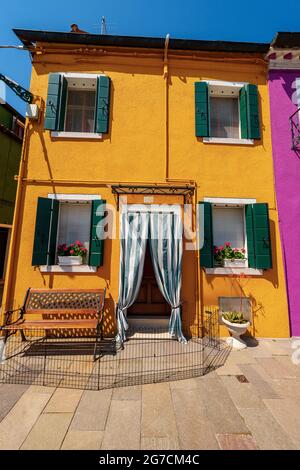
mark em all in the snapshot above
pixel 271 275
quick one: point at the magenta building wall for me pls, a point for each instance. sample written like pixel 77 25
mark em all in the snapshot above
pixel 282 87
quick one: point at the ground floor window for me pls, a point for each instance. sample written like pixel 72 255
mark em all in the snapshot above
pixel 63 221
pixel 234 233
pixel 229 230
pixel 74 224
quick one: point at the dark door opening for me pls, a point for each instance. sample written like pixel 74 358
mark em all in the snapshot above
pixel 3 246
pixel 149 301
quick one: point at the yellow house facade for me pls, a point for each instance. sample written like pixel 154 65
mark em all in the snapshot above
pixel 151 122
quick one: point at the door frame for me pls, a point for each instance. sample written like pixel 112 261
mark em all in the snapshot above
pixel 166 208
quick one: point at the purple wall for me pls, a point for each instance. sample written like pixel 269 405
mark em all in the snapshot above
pixel 287 181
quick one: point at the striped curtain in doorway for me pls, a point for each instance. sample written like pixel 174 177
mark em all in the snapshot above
pixel 134 230
pixel 166 252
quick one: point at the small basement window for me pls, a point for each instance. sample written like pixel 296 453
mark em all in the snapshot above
pixel 239 304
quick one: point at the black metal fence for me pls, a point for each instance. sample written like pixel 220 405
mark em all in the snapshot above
pixel 295 130
pixel 149 355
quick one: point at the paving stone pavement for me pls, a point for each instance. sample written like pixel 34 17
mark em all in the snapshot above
pixel 218 411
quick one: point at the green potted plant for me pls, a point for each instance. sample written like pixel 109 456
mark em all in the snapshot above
pixel 237 325
pixel 229 257
pixel 71 255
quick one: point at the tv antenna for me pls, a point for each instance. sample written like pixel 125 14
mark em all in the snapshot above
pixel 103 26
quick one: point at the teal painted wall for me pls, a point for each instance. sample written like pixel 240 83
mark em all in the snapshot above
pixel 6 118
pixel 10 153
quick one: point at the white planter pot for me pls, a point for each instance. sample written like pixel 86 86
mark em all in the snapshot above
pixel 70 260
pixel 236 329
pixel 235 263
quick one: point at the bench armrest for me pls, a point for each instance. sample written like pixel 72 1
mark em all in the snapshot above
pixel 8 314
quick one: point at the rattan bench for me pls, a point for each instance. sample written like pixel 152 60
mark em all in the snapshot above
pixel 58 309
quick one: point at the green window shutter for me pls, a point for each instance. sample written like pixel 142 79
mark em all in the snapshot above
pixel 97 233
pixel 249 112
pixel 262 239
pixel 243 113
pixel 250 236
pixel 53 102
pixel 102 104
pixel 258 236
pixel 201 109
pixel 206 252
pixel 253 112
pixel 62 103
pixel 44 247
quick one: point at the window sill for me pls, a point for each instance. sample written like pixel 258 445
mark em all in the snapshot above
pixel 83 268
pixel 221 140
pixel 76 135
pixel 234 271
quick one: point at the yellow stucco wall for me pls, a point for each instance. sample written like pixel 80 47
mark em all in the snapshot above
pixel 135 151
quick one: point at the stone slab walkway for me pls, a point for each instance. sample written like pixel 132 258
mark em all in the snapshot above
pixel 251 402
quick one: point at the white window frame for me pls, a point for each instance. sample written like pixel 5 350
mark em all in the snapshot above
pixel 214 86
pixel 78 135
pixel 84 268
pixel 232 202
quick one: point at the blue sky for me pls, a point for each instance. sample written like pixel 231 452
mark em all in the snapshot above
pixel 255 21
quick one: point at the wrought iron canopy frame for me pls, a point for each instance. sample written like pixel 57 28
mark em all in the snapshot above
pixel 20 91
pixel 295 130
pixel 186 191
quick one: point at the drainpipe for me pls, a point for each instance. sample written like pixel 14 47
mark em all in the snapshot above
pixel 168 179
pixel 166 78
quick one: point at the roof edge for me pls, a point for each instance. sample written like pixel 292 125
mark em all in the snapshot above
pixel 29 37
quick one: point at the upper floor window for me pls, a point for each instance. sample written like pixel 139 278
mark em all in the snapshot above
pixel 80 111
pixel 226 112
pixel 77 105
pixel 224 117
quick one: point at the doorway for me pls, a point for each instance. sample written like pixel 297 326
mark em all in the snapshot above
pixel 3 250
pixel 150 301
